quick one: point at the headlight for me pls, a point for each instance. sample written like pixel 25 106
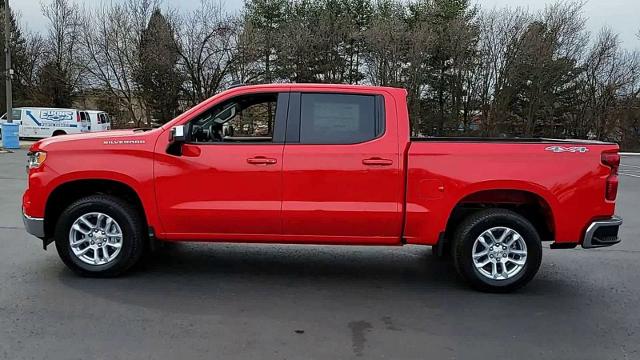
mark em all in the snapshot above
pixel 36 159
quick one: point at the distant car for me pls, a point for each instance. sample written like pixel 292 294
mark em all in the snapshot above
pixel 100 120
pixel 39 122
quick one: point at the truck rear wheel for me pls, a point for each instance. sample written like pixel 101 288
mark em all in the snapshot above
pixel 497 250
pixel 100 236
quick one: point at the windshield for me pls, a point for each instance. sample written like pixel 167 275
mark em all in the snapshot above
pixel 17 114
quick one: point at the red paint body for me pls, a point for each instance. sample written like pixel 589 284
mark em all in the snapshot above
pixel 387 191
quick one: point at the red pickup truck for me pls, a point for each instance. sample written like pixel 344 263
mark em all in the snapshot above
pixel 319 164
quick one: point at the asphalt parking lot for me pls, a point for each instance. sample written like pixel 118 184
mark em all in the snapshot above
pixel 293 302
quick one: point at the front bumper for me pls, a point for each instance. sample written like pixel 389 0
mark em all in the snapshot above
pixel 602 233
pixel 34 226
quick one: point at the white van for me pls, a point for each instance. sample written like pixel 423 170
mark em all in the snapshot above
pixel 100 120
pixel 36 122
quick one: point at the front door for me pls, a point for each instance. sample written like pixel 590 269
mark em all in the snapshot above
pixel 226 182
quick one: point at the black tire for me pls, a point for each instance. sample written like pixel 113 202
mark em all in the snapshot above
pixel 133 235
pixel 473 226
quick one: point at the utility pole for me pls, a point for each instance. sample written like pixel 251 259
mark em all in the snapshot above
pixel 7 54
pixel 10 130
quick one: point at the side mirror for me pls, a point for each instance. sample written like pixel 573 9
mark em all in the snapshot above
pixel 178 134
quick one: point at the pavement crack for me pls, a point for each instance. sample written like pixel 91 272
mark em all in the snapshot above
pixel 11 227
pixel 614 250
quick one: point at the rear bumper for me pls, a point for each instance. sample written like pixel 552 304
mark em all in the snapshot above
pixel 602 233
pixel 34 226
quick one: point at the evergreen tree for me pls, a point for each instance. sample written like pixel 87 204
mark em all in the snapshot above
pixel 158 75
pixel 266 18
pixel 543 84
pixel 54 88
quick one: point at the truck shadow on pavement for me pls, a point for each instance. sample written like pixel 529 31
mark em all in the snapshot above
pixel 300 295
pixel 194 277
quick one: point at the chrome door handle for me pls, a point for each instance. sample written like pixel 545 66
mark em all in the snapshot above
pixel 377 161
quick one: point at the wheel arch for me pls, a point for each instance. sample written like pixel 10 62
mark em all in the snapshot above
pixel 69 191
pixel 535 204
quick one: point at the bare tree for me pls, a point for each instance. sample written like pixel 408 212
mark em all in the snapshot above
pixel 565 24
pixel 64 68
pixel 111 47
pixel 245 67
pixel 206 40
pixel 500 31
pixel 35 52
pixel 386 41
pixel 610 74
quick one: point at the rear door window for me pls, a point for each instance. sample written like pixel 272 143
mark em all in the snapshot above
pixel 339 118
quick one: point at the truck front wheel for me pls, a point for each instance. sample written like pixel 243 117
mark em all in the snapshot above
pixel 497 250
pixel 100 236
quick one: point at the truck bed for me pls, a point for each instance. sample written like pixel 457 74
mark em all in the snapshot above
pixel 443 172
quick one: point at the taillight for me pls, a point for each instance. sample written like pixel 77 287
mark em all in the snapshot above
pixel 612 160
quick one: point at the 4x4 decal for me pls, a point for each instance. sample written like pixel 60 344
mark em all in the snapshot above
pixel 572 149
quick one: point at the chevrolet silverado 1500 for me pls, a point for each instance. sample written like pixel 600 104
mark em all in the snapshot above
pixel 319 164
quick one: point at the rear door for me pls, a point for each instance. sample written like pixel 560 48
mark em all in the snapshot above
pixel 341 175
pixel 94 121
pixel 103 119
pixel 97 121
pixel 85 122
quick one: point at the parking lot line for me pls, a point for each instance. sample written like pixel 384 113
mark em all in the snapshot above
pixel 635 176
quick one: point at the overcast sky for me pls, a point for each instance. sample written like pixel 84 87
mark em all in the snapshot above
pixel 623 16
